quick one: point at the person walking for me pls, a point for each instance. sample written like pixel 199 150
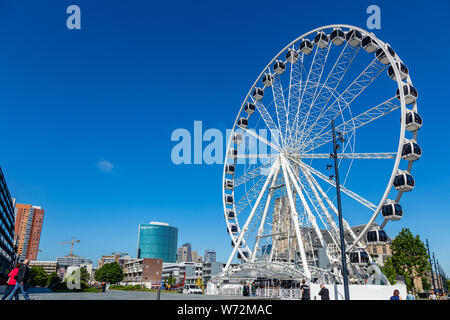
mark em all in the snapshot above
pixel 410 296
pixel 253 289
pixel 247 290
pixel 432 296
pixel 324 293
pixel 22 277
pixel 396 295
pixel 305 290
pixel 12 283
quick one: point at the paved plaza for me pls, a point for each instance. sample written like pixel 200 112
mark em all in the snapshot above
pixel 45 294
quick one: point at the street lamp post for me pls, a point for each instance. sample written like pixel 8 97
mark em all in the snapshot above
pixel 431 266
pixel 437 274
pixel 338 197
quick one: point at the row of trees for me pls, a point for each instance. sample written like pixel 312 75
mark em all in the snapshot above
pixel 110 272
pixel 409 260
pixel 39 278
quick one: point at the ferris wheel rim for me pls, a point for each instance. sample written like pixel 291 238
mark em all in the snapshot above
pixel 403 108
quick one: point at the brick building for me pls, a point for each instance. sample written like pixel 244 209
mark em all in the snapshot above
pixel 28 226
pixel 146 271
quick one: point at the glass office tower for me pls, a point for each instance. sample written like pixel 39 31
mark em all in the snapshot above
pixel 7 254
pixel 158 240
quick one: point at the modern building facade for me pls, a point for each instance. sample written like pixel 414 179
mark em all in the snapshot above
pixel 181 271
pixel 120 257
pixel 185 253
pixel 211 269
pixel 210 255
pixel 48 266
pixel 7 253
pixel 28 226
pixel 191 272
pixel 146 272
pixel 157 240
pixel 196 257
pixel 72 260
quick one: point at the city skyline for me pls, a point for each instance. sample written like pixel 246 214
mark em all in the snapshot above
pixel 107 103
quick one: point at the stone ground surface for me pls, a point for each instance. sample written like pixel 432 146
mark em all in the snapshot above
pixel 45 294
pixel 124 295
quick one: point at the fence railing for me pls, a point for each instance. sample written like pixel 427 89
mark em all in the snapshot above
pixel 263 292
pixel 279 293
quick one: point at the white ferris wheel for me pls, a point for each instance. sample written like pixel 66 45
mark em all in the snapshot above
pixel 278 196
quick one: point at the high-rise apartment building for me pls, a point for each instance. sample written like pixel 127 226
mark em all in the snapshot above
pixel 185 253
pixel 210 255
pixel 195 257
pixel 6 227
pixel 27 230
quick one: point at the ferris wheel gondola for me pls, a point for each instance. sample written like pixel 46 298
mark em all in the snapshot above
pixel 369 44
pixel 392 210
pixel 377 237
pixel 413 121
pixel 337 36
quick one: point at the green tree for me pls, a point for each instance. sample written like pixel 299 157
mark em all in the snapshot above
pixel 38 277
pixel 389 270
pixel 426 285
pixel 53 279
pixel 110 272
pixel 171 280
pixel 409 257
pixel 84 274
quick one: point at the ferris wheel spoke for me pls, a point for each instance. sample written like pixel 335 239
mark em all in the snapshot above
pixel 346 225
pixel 245 227
pixel 265 115
pixel 260 138
pixel 322 212
pixel 312 82
pixel 250 175
pixel 381 155
pixel 331 83
pixel 249 196
pixel 280 106
pixel 318 204
pixel 356 88
pixel 322 137
pixel 295 82
pixel 348 192
pixel 294 218
pixel 264 216
pixel 310 216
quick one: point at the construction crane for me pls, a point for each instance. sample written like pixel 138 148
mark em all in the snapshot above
pixel 71 244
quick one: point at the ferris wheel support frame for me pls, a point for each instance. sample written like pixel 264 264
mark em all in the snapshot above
pixel 294 218
pixel 258 200
pixel 263 219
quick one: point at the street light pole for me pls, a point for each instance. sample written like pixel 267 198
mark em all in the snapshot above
pixel 437 274
pixel 431 265
pixel 444 278
pixel 341 226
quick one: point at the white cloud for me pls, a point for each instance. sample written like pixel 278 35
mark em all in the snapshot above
pixel 105 166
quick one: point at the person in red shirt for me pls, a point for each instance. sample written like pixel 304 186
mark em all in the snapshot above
pixel 12 283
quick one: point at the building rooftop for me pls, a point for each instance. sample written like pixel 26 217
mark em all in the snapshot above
pixel 159 223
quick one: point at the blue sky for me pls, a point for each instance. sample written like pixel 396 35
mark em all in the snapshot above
pixel 113 92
